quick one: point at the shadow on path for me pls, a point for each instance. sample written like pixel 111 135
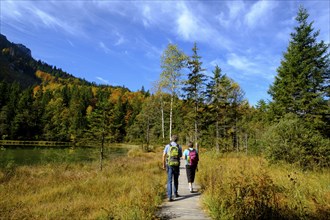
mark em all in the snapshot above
pixel 187 205
pixel 187 196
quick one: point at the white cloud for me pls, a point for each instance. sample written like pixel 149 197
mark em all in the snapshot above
pixel 192 26
pixel 102 80
pixel 263 65
pixel 104 47
pixel 216 62
pixel 41 15
pixel 187 24
pixel 146 12
pixel 284 35
pixel 233 19
pixel 235 8
pixel 240 62
pixel 53 22
pixel 70 42
pixel 259 13
pixel 151 51
pixel 120 39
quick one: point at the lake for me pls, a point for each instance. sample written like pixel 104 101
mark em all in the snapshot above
pixel 43 155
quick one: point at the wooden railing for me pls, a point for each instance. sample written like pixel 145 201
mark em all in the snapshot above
pixel 35 143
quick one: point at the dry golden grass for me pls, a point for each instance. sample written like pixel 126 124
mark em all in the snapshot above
pixel 127 188
pixel 241 187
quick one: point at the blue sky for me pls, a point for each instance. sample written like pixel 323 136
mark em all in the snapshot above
pixel 121 42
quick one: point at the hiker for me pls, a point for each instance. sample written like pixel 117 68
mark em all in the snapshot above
pixel 191 159
pixel 171 161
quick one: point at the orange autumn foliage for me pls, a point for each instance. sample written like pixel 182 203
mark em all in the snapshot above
pixel 44 76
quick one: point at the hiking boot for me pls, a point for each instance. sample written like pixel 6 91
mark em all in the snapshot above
pixel 177 195
pixel 170 200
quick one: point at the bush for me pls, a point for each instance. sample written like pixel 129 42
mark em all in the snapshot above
pixel 293 141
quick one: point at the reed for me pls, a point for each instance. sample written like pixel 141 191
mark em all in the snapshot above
pixel 127 188
pixel 241 187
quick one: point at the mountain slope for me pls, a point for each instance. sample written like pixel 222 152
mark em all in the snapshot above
pixel 17 65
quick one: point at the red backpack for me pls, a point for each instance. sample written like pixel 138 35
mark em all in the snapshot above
pixel 193 157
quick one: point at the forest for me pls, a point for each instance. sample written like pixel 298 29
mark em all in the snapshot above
pixel 50 104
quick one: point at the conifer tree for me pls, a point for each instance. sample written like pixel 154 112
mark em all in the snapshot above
pixel 194 86
pixel 217 92
pixel 302 80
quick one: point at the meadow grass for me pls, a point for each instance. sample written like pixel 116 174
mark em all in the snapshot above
pixel 246 187
pixel 129 187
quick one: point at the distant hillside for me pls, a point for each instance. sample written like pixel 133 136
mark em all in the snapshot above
pixel 18 65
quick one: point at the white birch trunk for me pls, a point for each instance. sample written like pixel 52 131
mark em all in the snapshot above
pixel 171 113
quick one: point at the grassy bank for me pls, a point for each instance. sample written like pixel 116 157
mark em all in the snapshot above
pixel 128 188
pixel 241 187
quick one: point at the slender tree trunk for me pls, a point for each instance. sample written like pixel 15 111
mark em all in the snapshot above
pixel 101 151
pixel 148 131
pixel 246 144
pixel 236 134
pixel 171 113
pixel 162 111
pixel 217 133
pixel 196 128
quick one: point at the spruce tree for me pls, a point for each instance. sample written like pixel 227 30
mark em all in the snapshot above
pixel 194 86
pixel 302 81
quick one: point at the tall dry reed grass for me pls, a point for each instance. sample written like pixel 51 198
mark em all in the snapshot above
pixel 128 188
pixel 241 187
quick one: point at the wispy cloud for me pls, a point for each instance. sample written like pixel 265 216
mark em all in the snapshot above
pixel 149 49
pixel 40 15
pixel 102 80
pixel 233 18
pixel 259 13
pixel 240 63
pixel 188 25
pixel 261 66
pixel 104 47
pixel 120 39
pixel 245 38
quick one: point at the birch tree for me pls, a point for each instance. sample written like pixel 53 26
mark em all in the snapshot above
pixel 173 60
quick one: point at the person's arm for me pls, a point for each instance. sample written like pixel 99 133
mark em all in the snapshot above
pixel 164 160
pixel 165 156
pixel 184 155
pixel 180 152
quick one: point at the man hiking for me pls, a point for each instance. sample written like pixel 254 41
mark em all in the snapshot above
pixel 171 161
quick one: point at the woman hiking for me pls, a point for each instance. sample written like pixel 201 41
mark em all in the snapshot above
pixel 191 159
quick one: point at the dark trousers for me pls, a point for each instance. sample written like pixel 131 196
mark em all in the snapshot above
pixel 191 171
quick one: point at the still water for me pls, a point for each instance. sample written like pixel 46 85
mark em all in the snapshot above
pixel 43 155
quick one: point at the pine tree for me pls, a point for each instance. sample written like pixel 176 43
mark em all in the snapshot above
pixel 194 86
pixel 99 121
pixel 225 98
pixel 302 80
pixel 217 93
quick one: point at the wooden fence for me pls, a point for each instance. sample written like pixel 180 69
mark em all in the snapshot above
pixel 35 143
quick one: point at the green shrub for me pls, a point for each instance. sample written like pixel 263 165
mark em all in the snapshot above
pixel 293 141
